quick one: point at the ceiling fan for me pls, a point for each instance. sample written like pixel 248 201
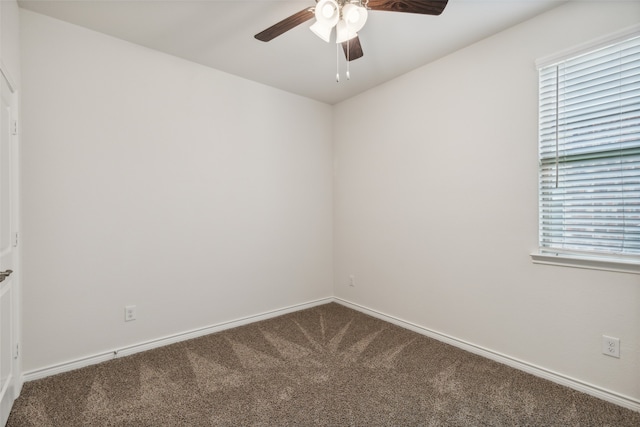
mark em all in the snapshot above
pixel 348 17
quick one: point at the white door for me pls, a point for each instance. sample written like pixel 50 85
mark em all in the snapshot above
pixel 8 252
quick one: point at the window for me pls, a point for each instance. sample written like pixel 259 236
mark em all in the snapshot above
pixel 589 155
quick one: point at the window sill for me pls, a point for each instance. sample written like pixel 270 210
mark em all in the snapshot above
pixel 594 263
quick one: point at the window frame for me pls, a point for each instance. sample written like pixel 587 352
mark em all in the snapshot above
pixel 559 257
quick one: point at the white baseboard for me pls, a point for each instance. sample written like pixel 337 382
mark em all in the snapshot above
pixel 538 371
pixel 160 342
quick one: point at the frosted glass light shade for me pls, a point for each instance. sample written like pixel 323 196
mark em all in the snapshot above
pixel 327 15
pixel 322 31
pixel 354 16
pixel 327 12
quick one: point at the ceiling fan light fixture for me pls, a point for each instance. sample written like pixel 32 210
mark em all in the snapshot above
pixel 327 14
pixel 322 31
pixel 328 10
pixel 355 16
pixel 349 16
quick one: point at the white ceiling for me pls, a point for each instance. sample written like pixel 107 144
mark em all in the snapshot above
pixel 219 34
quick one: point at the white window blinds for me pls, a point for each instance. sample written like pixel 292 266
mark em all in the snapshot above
pixel 589 152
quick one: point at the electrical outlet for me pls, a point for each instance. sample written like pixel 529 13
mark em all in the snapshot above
pixel 352 280
pixel 129 313
pixel 611 346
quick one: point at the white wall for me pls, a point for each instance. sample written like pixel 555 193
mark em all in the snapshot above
pixel 435 207
pixel 10 39
pixel 198 196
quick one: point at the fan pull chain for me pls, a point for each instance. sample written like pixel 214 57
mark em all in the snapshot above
pixel 337 63
pixel 348 59
pixel 348 74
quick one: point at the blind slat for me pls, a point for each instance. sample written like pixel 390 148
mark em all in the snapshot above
pixel 589 151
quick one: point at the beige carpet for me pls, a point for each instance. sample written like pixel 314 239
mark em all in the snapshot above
pixel 327 365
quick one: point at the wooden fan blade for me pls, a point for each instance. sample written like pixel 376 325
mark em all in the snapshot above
pixel 426 7
pixel 354 50
pixel 285 25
